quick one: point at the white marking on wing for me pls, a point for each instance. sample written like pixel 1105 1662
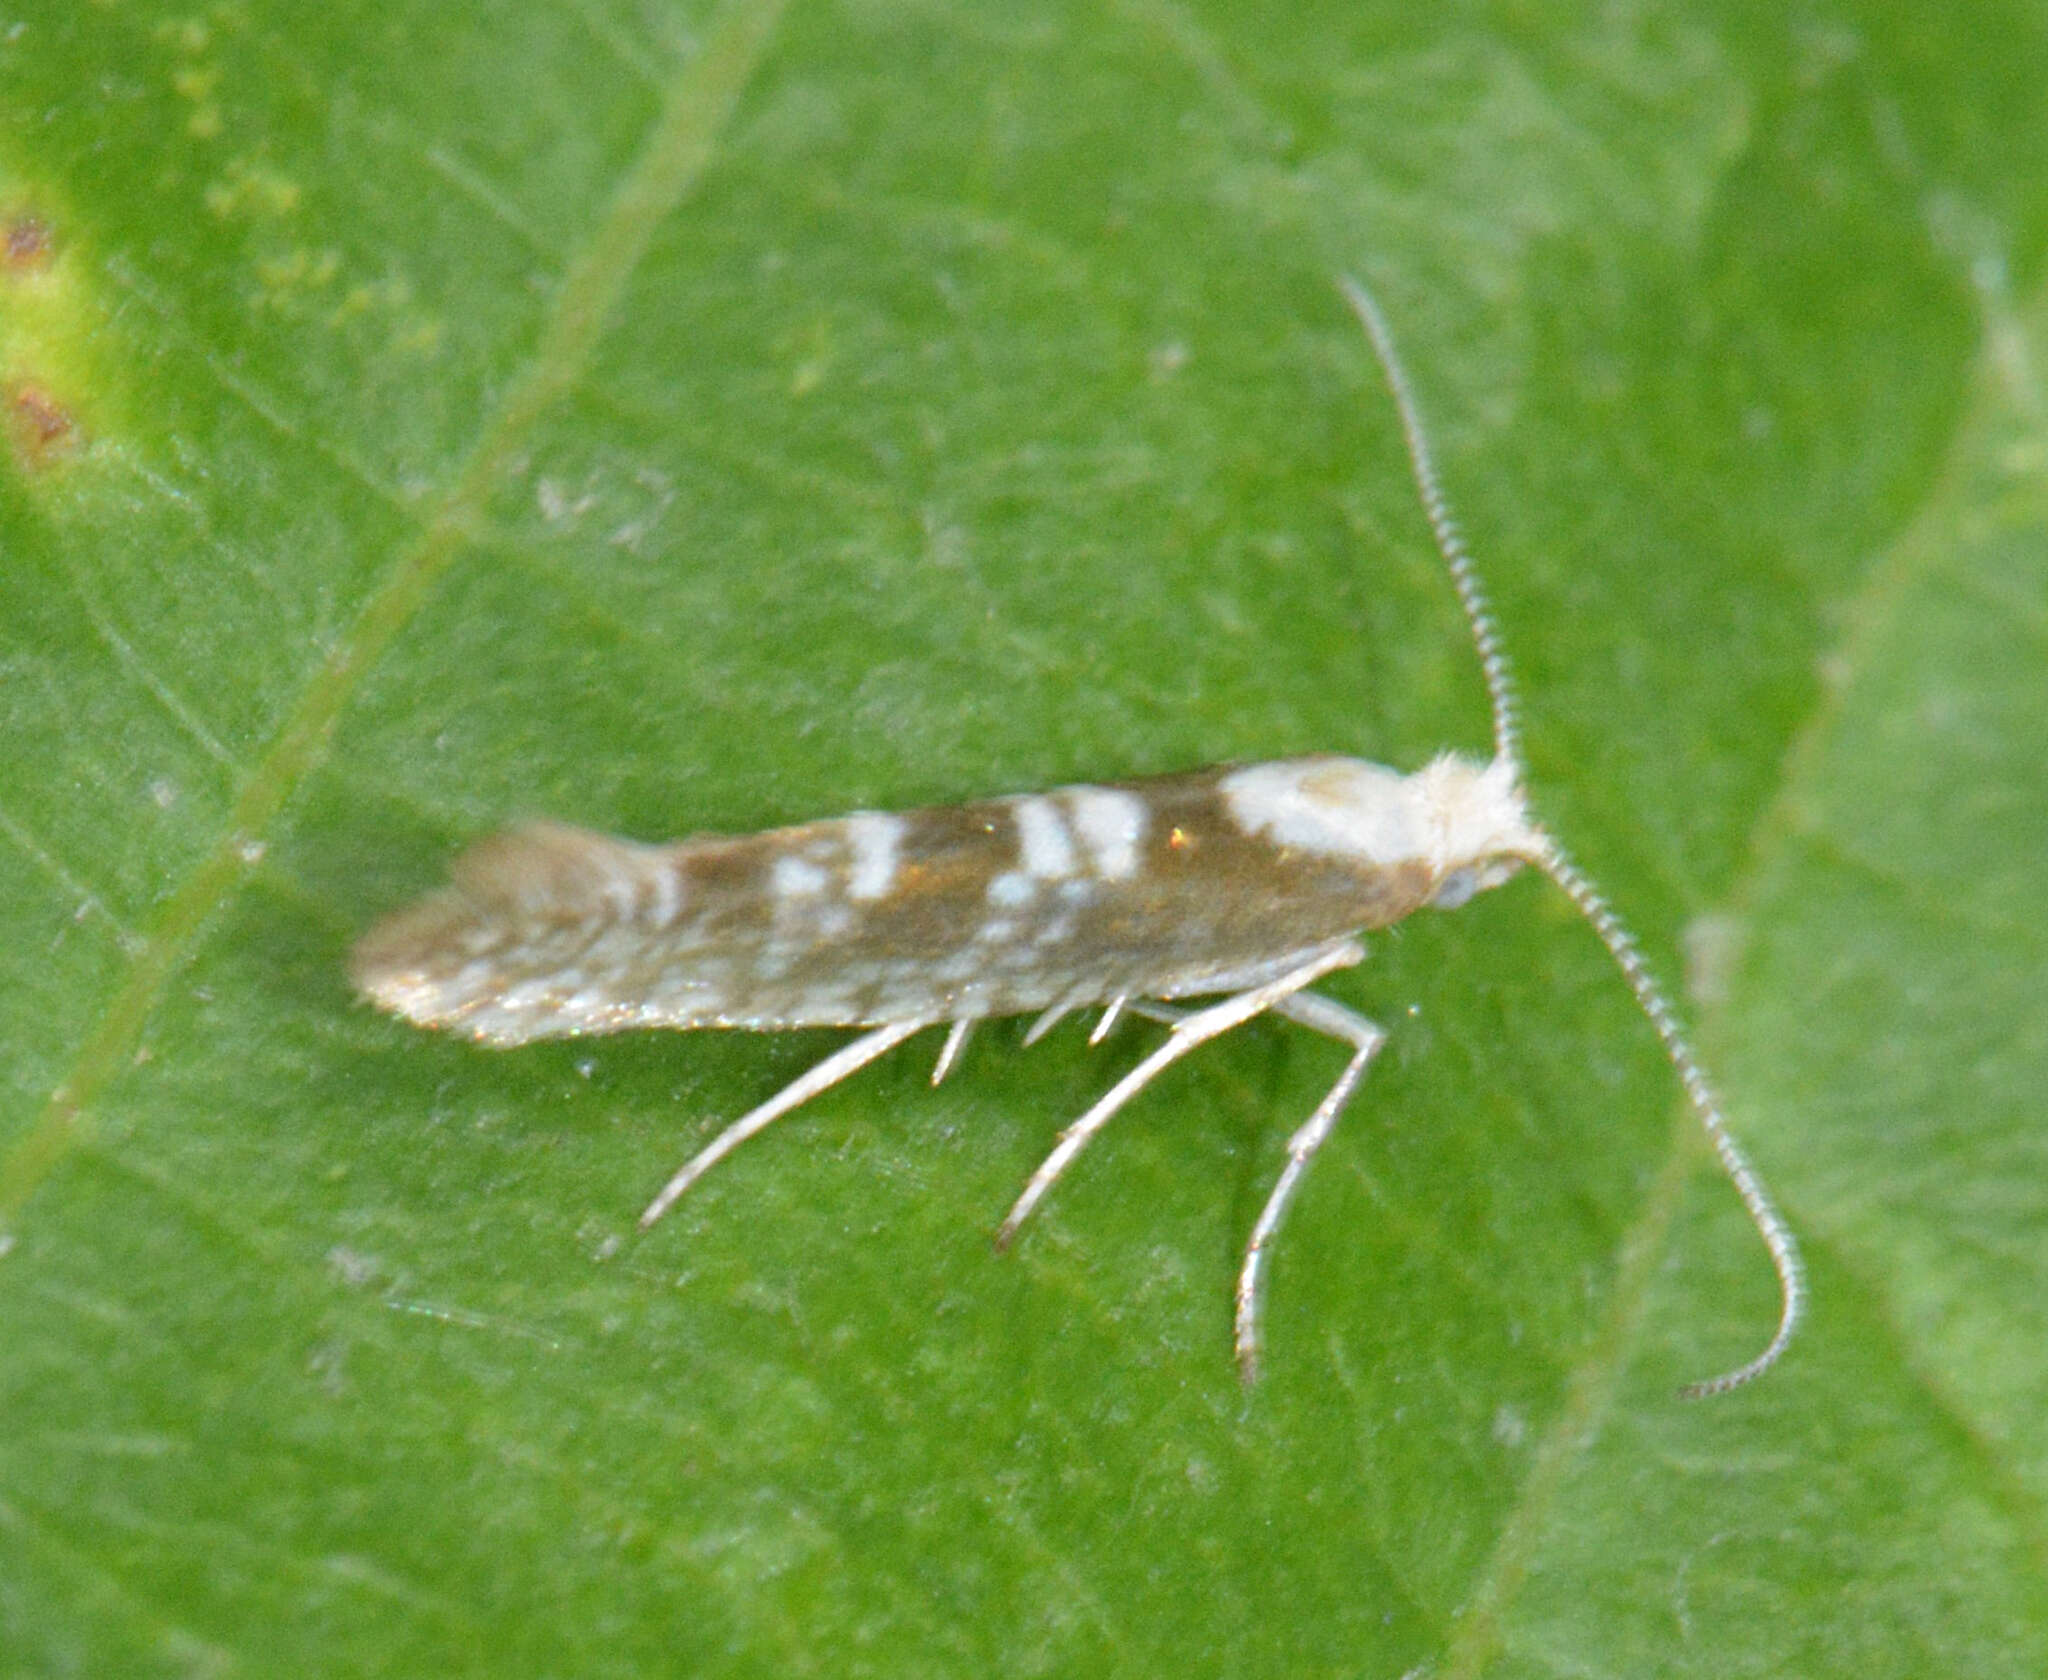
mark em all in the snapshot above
pixel 876 841
pixel 668 895
pixel 1112 824
pixel 1012 890
pixel 620 891
pixel 1332 805
pixel 792 877
pixel 1043 843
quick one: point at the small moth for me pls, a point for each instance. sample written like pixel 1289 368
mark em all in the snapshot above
pixel 1239 884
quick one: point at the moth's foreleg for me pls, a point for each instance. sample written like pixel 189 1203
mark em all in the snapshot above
pixel 847 1060
pixel 1365 1039
pixel 1192 1030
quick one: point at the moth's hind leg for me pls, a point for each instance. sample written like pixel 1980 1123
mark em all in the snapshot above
pixel 847 1060
pixel 1365 1039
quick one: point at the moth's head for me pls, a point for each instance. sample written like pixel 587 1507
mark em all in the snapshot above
pixel 1478 826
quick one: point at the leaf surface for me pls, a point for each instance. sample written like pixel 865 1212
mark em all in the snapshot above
pixel 677 419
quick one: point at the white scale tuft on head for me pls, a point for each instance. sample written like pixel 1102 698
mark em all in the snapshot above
pixel 1478 823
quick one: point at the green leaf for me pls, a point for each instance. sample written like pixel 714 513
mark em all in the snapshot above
pixel 670 419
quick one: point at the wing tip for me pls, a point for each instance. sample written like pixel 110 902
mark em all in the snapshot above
pixel 504 892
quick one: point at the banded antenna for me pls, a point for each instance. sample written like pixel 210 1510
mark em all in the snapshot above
pixel 1587 898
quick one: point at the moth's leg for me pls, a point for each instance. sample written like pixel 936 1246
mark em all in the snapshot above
pixel 1046 1022
pixel 1365 1039
pixel 1166 1014
pixel 1195 1029
pixel 847 1060
pixel 1110 1016
pixel 949 1052
pixel 1080 997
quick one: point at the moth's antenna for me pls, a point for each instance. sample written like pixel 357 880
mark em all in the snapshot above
pixel 1763 1213
pixel 1585 897
pixel 1493 658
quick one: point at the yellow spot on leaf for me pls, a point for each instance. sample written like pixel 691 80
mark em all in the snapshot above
pixel 249 187
pixel 40 428
pixel 196 82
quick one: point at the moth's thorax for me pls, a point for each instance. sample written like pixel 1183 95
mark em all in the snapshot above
pixel 1462 822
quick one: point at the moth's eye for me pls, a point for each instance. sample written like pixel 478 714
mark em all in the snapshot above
pixel 1457 888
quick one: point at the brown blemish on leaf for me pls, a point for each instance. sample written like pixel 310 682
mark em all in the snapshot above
pixel 39 427
pixel 27 243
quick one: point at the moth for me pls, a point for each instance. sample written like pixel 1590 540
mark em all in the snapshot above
pixel 1202 900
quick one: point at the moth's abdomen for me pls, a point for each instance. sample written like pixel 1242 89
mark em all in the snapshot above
pixel 1159 888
